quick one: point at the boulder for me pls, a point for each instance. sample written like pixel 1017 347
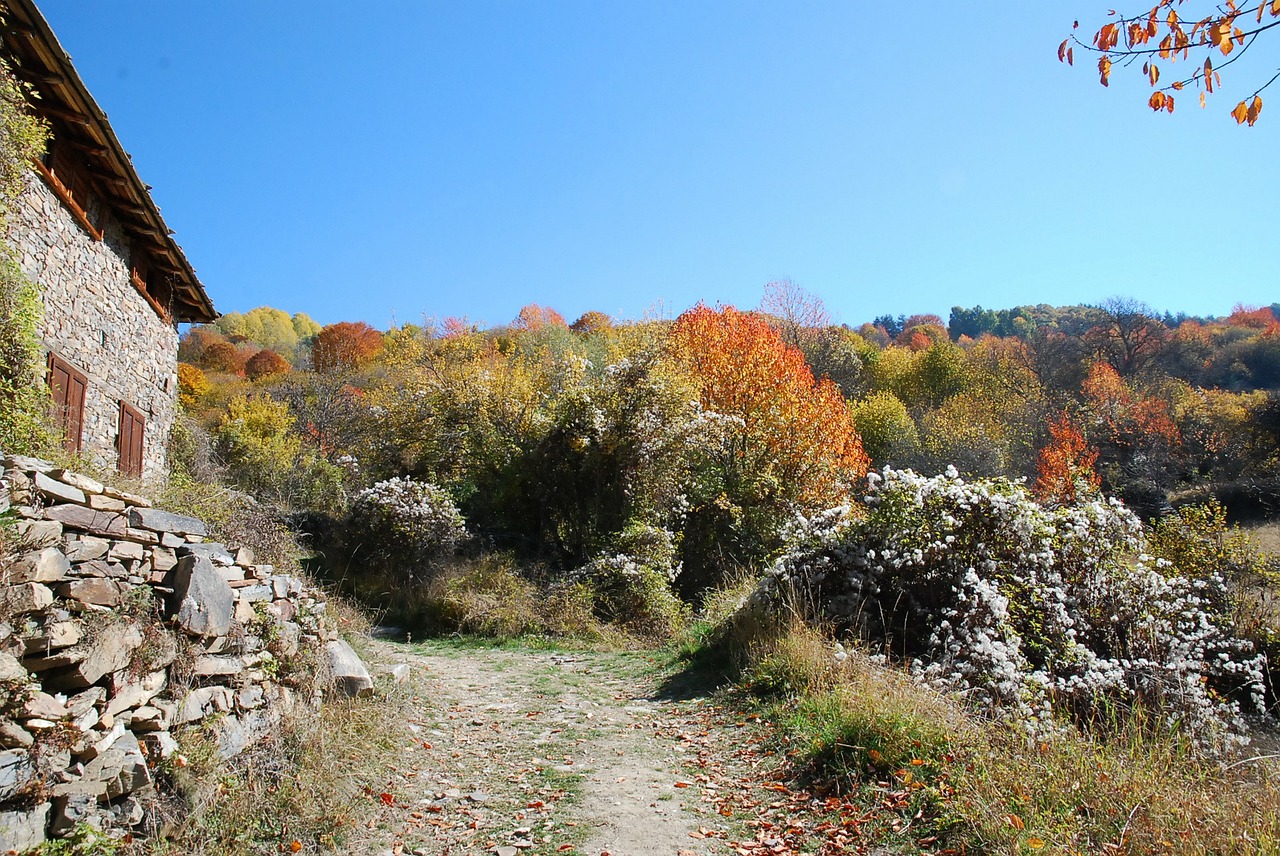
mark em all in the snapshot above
pixel 54 489
pixel 347 673
pixel 137 693
pixel 121 769
pixel 166 521
pixel 27 597
pixel 202 702
pixel 54 635
pixel 112 649
pixel 14 736
pixel 78 480
pixel 126 497
pixel 125 551
pixel 16 771
pixel 163 558
pixel 202 602
pixel 11 669
pixel 106 503
pixel 108 523
pixel 160 744
pixel 43 566
pixel 98 591
pixel 41 705
pixel 23 830
pixel 211 550
pixel 38 534
pixel 76 806
pixel 86 548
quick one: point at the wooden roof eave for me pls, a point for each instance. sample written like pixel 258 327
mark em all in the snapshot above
pixel 64 95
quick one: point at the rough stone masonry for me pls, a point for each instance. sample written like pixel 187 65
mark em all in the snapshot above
pixel 121 627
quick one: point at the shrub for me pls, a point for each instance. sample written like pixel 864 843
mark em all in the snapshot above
pixel 193 385
pixel 1029 610
pixel 632 583
pixel 265 364
pixel 404 527
pixel 264 455
pixel 486 596
pixel 222 357
pixel 344 346
pixel 23 398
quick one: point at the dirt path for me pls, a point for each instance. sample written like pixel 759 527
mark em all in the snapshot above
pixel 530 752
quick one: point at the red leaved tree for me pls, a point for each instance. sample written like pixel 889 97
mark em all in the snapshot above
pixel 796 440
pixel 264 364
pixel 1065 466
pixel 344 346
pixel 535 317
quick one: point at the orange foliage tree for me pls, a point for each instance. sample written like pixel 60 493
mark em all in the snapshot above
pixel 592 322
pixel 1253 318
pixel 222 357
pixel 535 317
pixel 797 440
pixel 1169 31
pixel 1065 465
pixel 264 364
pixel 344 346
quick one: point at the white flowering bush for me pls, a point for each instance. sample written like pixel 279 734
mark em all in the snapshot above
pixel 1032 611
pixel 403 526
pixel 631 581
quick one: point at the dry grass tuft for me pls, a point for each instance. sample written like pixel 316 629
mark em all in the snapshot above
pixel 984 786
pixel 315 782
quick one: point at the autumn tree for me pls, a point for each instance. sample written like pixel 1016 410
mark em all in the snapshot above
pixel 264 364
pixel 269 328
pixel 1169 32
pixel 195 341
pixel 1136 437
pixel 1064 467
pixel 222 357
pixel 592 322
pixel 344 346
pixel 192 385
pixel 788 442
pixel 535 317
pixel 795 432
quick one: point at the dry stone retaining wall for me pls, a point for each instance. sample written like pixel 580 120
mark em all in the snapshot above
pixel 121 626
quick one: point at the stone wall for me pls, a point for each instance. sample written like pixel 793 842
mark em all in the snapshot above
pixel 122 628
pixel 96 320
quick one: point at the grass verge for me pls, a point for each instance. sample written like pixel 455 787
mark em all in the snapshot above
pixel 938 778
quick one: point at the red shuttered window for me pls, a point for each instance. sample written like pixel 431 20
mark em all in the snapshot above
pixel 132 427
pixel 68 387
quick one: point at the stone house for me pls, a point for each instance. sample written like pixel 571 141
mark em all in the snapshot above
pixel 115 283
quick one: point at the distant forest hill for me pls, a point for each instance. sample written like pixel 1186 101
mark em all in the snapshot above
pixel 512 421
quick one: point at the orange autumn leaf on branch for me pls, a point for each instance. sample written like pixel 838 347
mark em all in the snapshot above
pixel 1160 32
pixel 796 429
pixel 1065 467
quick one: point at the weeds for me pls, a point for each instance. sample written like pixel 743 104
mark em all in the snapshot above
pixel 963 781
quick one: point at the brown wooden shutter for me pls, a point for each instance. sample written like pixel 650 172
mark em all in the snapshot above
pixel 132 427
pixel 68 387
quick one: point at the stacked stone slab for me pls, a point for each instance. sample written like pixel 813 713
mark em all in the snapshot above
pixel 121 626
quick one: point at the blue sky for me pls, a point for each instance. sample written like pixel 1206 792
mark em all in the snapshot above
pixel 388 160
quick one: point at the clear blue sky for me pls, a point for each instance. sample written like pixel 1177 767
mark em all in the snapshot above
pixel 381 161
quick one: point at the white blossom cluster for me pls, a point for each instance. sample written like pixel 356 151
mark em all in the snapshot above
pixel 411 519
pixel 1040 613
pixel 639 549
